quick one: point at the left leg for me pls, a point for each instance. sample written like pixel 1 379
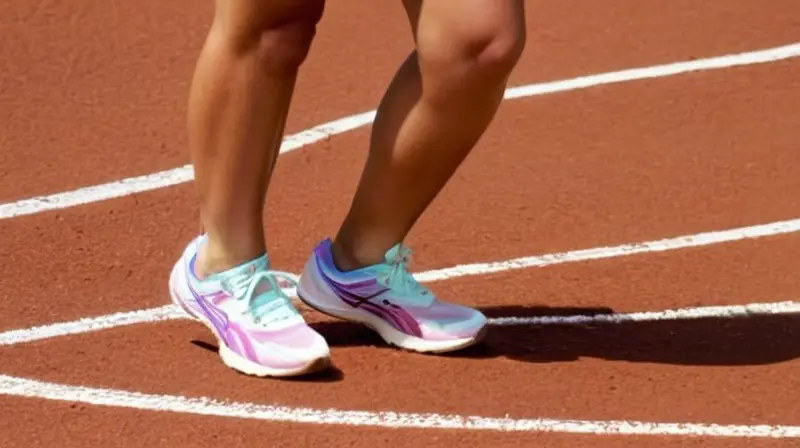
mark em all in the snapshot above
pixel 439 104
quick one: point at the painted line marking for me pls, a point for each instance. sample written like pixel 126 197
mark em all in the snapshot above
pixel 702 312
pixel 90 324
pixel 30 388
pixel 173 312
pixel 663 245
pixel 697 240
pixel 185 173
pixel 206 406
pixel 211 407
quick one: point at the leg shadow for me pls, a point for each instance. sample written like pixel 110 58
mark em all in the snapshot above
pixel 718 341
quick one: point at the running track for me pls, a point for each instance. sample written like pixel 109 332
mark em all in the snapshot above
pixel 582 352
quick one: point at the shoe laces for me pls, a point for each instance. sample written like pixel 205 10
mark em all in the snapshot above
pixel 397 277
pixel 266 302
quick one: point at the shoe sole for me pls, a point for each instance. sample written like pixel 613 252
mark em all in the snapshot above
pixel 241 364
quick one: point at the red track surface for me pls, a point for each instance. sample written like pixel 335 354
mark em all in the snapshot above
pixel 93 92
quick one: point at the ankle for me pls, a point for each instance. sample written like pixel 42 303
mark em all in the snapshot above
pixel 343 259
pixel 212 259
pixel 349 257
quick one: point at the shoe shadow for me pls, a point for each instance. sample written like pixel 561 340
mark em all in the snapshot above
pixel 330 375
pixel 739 341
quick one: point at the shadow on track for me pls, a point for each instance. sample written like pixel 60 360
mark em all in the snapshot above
pixel 741 341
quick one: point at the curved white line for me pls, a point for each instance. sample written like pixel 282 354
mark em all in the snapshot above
pixel 185 173
pixel 697 240
pixel 253 411
pixel 206 406
pixel 173 312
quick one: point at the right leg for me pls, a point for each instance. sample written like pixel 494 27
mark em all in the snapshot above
pixel 238 104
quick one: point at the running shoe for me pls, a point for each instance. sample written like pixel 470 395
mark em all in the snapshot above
pixel 258 329
pixel 388 299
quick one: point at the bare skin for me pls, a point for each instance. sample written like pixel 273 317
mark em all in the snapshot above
pixel 439 104
pixel 437 107
pixel 238 103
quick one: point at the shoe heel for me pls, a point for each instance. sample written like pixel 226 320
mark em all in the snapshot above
pixel 173 293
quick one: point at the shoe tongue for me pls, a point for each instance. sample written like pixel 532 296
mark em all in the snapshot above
pixel 263 302
pixel 262 287
pixel 262 293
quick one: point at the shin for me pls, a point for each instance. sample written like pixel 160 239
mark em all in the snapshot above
pixel 239 99
pixel 439 104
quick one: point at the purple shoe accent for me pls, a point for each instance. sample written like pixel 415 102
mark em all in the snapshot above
pixel 248 345
pixel 217 318
pixel 361 292
pixel 240 341
pixel 231 334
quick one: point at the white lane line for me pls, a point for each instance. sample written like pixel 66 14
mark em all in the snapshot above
pixel 658 71
pixel 163 179
pixel 89 324
pixel 211 407
pixel 681 242
pixel 172 312
pixel 597 253
pixel 702 312
pixel 185 173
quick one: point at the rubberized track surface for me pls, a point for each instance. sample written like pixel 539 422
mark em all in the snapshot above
pixel 702 158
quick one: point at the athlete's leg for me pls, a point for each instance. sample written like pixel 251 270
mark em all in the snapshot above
pixel 238 104
pixel 439 104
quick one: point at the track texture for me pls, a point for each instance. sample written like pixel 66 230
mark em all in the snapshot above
pixel 93 92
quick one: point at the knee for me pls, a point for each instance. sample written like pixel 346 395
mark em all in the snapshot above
pixel 285 46
pixel 483 55
pixel 493 53
pixel 280 40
